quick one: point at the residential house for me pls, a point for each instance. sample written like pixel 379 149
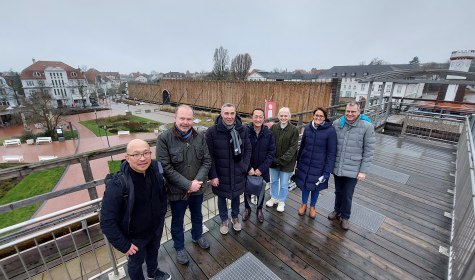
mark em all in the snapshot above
pixel 281 76
pixel 351 87
pixel 8 97
pixel 66 85
pixel 174 75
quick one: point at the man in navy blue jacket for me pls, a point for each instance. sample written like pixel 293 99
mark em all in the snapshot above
pixel 263 152
pixel 133 211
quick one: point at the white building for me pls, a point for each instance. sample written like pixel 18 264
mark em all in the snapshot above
pixel 8 97
pixel 63 82
pixel 351 87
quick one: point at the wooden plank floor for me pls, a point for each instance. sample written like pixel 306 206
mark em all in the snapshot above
pixel 293 247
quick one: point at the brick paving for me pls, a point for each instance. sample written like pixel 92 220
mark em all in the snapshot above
pixel 87 141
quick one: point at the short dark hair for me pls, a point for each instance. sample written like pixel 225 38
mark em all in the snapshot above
pixel 258 109
pixel 321 109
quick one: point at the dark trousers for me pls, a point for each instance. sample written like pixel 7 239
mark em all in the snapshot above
pixel 148 251
pixel 247 198
pixel 178 214
pixel 344 189
pixel 223 207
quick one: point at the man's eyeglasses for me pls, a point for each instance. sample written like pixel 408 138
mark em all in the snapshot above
pixel 139 156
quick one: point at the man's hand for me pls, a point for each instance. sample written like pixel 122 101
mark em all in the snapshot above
pixel 195 186
pixel 132 250
pixel 251 172
pixel 214 182
pixel 257 172
pixel 361 176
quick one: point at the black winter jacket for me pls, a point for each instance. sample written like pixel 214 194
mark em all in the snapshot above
pixel 118 204
pixel 263 150
pixel 229 169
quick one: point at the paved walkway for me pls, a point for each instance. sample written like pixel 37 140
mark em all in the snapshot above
pixel 87 141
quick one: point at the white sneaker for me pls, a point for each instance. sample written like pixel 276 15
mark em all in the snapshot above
pixel 280 207
pixel 271 202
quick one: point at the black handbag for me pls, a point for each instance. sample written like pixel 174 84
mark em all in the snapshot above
pixel 255 185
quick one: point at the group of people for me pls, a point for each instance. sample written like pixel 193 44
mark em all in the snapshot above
pixel 135 203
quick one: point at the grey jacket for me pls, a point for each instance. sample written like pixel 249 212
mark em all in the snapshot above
pixel 183 161
pixel 355 147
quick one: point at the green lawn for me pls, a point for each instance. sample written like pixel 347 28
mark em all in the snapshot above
pixel 34 184
pixel 131 123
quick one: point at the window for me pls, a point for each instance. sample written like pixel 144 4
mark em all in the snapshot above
pixel 388 88
pixel 380 87
pixel 363 86
pixel 74 74
pixel 354 87
pixel 399 89
pixel 344 87
pixel 36 74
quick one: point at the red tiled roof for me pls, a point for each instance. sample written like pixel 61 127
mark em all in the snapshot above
pixel 452 107
pixel 40 66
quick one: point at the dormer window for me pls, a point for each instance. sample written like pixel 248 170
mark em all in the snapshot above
pixel 36 74
pixel 365 74
pixel 74 74
pixel 343 74
pixel 335 74
pixel 353 74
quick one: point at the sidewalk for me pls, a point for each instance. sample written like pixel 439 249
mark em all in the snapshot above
pixel 87 141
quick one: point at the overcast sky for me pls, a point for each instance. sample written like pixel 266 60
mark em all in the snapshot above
pixel 163 36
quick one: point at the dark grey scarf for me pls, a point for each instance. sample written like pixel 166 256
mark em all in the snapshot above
pixel 235 138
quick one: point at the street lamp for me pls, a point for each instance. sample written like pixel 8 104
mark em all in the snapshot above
pixel 107 137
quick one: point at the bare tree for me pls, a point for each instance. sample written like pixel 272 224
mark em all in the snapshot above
pixel 40 109
pixel 378 61
pixel 221 61
pixel 414 61
pixel 240 66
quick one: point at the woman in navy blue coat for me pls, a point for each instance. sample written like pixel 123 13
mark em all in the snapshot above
pixel 316 158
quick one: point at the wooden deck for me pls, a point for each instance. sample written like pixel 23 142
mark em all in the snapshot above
pixel 293 247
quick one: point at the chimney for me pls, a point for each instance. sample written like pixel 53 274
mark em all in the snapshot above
pixel 34 60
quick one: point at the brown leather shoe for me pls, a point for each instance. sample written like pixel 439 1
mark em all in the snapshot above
pixel 260 215
pixel 302 209
pixel 345 224
pixel 313 212
pixel 246 214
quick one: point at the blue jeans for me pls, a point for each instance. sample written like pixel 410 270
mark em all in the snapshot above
pixel 344 189
pixel 313 198
pixel 178 214
pixel 148 251
pixel 279 184
pixel 223 207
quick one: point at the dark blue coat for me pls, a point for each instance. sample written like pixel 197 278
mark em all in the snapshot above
pixel 229 169
pixel 316 155
pixel 118 205
pixel 263 150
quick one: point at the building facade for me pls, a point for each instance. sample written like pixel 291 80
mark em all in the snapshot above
pixel 351 86
pixel 66 85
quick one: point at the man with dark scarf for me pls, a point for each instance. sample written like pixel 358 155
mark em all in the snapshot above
pixel 184 155
pixel 230 150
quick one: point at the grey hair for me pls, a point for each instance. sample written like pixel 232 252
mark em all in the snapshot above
pixel 184 106
pixel 228 105
pixel 354 103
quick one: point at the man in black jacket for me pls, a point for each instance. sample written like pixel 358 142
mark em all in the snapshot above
pixel 133 211
pixel 230 150
pixel 186 162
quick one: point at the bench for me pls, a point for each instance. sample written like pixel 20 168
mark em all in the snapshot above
pixel 43 139
pixel 43 158
pixel 11 142
pixel 123 132
pixel 17 158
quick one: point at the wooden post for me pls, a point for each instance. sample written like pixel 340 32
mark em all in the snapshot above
pixel 87 172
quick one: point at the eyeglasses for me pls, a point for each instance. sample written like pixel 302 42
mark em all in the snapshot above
pixel 139 156
pixel 319 116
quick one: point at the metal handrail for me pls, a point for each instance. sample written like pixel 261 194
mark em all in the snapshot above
pixel 462 246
